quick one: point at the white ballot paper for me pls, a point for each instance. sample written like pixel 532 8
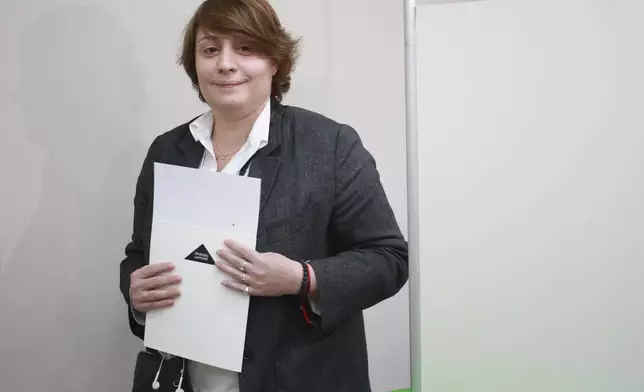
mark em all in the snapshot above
pixel 194 212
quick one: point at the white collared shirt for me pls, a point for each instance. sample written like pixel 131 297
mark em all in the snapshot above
pixel 201 130
pixel 207 378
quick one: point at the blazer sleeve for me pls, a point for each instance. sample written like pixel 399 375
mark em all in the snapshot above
pixel 135 252
pixel 371 260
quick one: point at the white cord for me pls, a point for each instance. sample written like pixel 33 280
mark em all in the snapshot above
pixel 183 366
pixel 155 384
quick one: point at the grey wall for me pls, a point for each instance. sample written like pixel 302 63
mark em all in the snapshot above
pixel 532 187
pixel 86 85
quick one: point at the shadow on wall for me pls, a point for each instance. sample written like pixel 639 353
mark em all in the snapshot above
pixel 63 321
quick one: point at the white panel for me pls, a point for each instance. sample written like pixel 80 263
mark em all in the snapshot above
pixel 531 189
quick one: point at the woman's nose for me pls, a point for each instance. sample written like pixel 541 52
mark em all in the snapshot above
pixel 227 60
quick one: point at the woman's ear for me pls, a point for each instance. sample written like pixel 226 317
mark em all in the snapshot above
pixel 274 68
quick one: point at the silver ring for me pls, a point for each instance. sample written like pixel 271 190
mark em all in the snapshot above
pixel 243 266
pixel 247 290
pixel 243 279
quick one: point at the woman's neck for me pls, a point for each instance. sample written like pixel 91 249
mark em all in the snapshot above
pixel 231 130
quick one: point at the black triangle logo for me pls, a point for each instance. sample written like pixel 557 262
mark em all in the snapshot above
pixel 201 255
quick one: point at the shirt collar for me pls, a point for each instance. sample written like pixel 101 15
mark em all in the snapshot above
pixel 201 127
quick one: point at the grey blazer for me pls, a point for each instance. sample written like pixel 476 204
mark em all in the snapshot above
pixel 321 200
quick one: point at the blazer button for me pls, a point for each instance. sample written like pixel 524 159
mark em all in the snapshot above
pixel 248 355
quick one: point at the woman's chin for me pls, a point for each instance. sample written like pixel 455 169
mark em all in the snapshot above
pixel 230 101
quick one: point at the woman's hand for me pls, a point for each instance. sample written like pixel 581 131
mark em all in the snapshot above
pixel 151 287
pixel 261 274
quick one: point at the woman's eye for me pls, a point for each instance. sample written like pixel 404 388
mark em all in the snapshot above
pixel 245 49
pixel 210 50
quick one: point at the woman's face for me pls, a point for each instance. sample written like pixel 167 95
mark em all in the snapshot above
pixel 231 74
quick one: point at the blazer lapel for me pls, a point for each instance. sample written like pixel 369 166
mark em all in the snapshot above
pixel 191 152
pixel 266 168
pixel 269 160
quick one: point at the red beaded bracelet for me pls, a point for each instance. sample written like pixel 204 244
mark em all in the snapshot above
pixel 305 290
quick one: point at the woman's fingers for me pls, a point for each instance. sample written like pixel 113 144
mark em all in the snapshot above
pixel 152 299
pixel 151 270
pixel 234 260
pixel 147 306
pixel 246 289
pixel 159 281
pixel 228 269
pixel 151 287
pixel 244 251
pixel 160 295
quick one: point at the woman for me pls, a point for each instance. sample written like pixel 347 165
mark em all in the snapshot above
pixel 321 202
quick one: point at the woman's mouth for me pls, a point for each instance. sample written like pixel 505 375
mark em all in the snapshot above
pixel 228 84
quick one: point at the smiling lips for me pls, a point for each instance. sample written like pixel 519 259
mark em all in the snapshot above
pixel 228 84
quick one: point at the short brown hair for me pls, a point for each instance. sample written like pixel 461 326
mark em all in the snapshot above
pixel 255 20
